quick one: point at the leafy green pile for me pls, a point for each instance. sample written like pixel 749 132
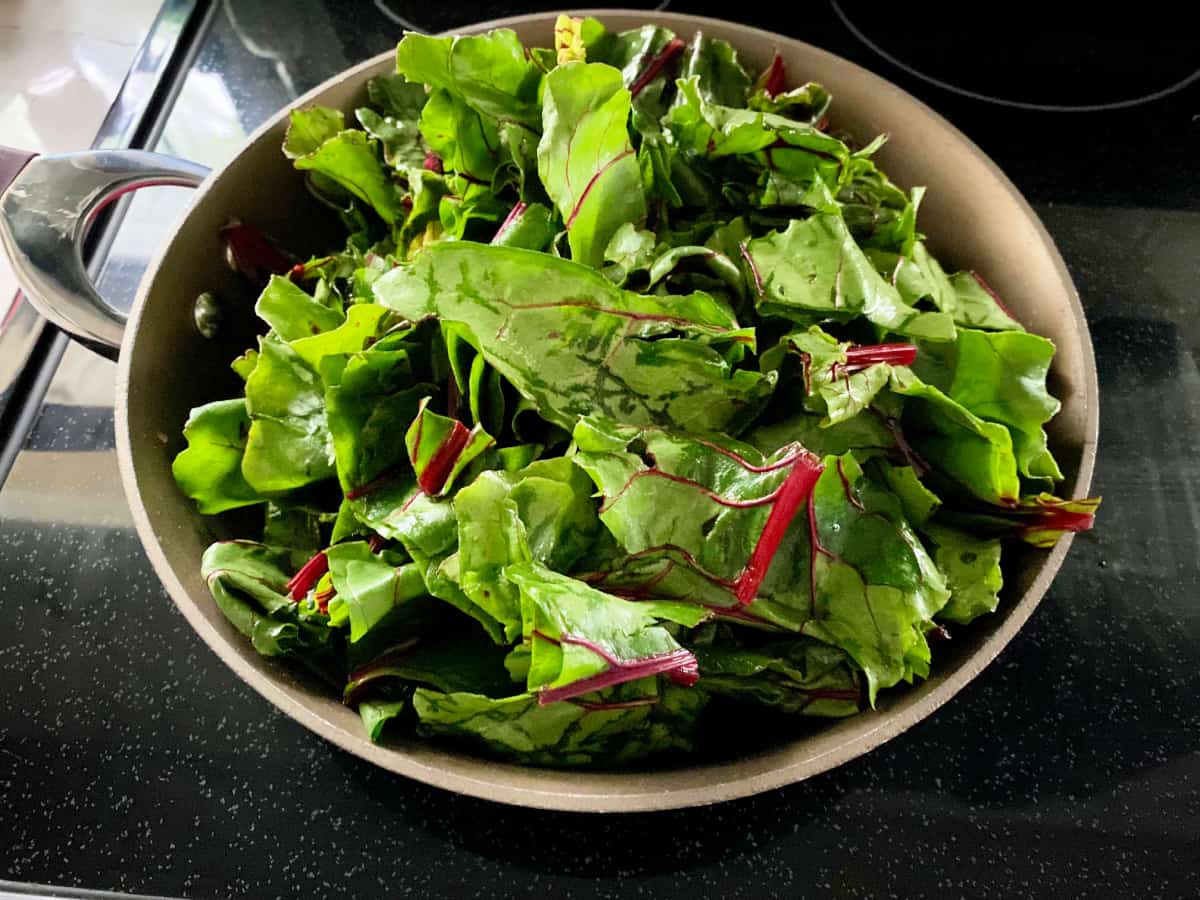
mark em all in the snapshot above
pixel 633 389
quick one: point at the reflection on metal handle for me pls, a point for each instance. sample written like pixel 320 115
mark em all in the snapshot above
pixel 44 216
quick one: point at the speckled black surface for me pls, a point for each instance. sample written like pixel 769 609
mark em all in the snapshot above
pixel 132 759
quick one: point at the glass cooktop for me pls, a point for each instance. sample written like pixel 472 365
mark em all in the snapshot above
pixel 132 760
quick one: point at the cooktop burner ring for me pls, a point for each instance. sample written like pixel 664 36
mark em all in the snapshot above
pixel 1167 91
pixel 385 8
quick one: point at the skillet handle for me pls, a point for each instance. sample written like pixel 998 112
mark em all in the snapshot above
pixel 45 214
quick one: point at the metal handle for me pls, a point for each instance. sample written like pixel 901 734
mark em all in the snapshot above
pixel 44 216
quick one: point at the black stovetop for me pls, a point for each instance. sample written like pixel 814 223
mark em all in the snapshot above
pixel 132 759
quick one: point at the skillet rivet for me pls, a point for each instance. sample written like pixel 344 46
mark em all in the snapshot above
pixel 206 313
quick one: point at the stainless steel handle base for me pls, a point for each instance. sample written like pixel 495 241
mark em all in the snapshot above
pixel 44 216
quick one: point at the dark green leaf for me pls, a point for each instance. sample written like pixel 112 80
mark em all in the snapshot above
pixel 295 528
pixel 452 661
pixel 798 677
pixel 607 731
pixel 598 349
pixel 249 583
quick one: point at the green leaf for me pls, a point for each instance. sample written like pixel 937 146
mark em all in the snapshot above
pixel 245 364
pixel 531 227
pixel 428 529
pixel 1038 519
pixel 688 513
pixel 606 731
pixel 369 586
pixel 347 525
pixel 806 103
pixel 449 661
pixel 630 251
pixel 585 159
pixel 518 163
pixel 439 448
pixel 403 147
pixel 1001 377
pixel 377 713
pixel 584 640
pixel 490 537
pixel 815 270
pixel 798 677
pixel 542 512
pixel 918 502
pixel 309 128
pixel 249 583
pixel 466 142
pixel 830 389
pixel 209 470
pixel 863 435
pixel 371 401
pixel 878 212
pixel 401 511
pixel 631 52
pixel 364 324
pixel 877 588
pixel 719 76
pixel 479 383
pixel 293 312
pixel 977 306
pixel 289 445
pixel 351 160
pixel 690 522
pixel 295 528
pixel 917 276
pixel 972 569
pixel 775 142
pixel 473 212
pixel 554 501
pixel 442 576
pixel 489 72
pixel 392 95
pixel 427 189
pixel 599 349
pixel 975 453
